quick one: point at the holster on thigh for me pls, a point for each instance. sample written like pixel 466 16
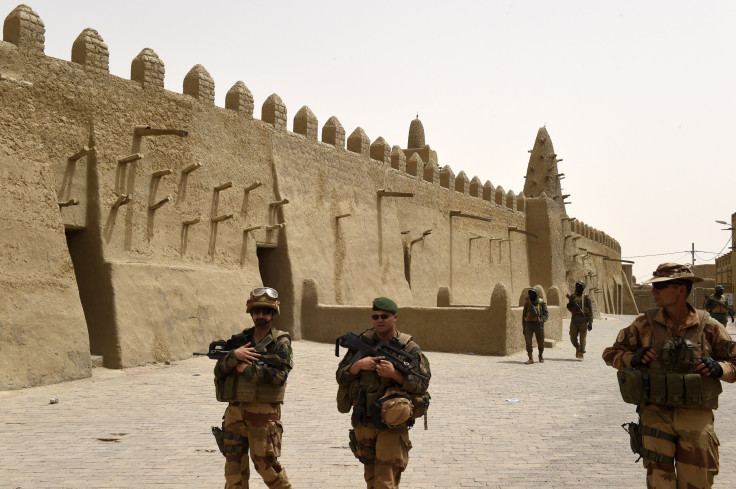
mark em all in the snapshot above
pixel 221 435
pixel 364 453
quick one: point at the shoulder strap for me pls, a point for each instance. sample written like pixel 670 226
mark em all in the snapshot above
pixel 405 338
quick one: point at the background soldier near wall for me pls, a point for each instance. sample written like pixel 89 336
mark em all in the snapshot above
pixel 717 306
pixel 671 362
pixel 384 401
pixel 533 318
pixel 581 307
pixel 252 378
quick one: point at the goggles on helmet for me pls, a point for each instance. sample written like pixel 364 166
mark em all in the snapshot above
pixel 267 291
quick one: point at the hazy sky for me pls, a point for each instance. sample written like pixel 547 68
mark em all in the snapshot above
pixel 637 96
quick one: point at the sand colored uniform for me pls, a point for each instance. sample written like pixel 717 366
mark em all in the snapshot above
pixel 680 442
pixel 384 452
pixel 252 421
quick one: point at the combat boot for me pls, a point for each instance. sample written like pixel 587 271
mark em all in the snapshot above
pixel 530 361
pixel 541 358
pixel 580 357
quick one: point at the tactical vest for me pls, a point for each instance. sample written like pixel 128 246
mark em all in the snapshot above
pixel 235 387
pixel 370 387
pixel 719 306
pixel 530 317
pixel 670 380
pixel 575 311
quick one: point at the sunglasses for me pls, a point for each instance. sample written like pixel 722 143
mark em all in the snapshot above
pixel 261 291
pixel 261 310
pixel 375 317
pixel 664 285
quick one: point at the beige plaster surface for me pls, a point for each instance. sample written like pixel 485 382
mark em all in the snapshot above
pixel 139 218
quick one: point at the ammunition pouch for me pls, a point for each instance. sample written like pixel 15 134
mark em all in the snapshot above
pixel 222 435
pixel 421 405
pixel 636 433
pixel 641 385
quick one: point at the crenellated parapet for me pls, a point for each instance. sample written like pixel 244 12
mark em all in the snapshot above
pixel 199 84
pixel 148 69
pixel 381 151
pixel 240 100
pixel 333 133
pixel 305 123
pixel 24 28
pixel 274 112
pixel 90 51
pixel 358 142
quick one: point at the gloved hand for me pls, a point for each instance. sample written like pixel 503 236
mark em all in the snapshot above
pixel 590 326
pixel 716 371
pixel 636 361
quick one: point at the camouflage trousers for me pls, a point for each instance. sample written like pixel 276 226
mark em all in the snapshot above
pixel 578 328
pixel 695 452
pixel 530 330
pixel 384 454
pixel 258 427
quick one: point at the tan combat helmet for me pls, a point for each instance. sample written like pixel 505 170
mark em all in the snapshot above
pixel 263 297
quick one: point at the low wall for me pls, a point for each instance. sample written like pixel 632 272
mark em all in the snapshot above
pixel 491 330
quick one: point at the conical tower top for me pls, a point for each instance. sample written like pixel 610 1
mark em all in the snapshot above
pixel 416 134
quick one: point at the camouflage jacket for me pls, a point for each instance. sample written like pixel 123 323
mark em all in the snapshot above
pixel 715 305
pixel 367 378
pixel 528 314
pixel 716 340
pixel 274 365
pixel 585 303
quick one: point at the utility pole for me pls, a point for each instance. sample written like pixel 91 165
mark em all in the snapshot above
pixel 692 292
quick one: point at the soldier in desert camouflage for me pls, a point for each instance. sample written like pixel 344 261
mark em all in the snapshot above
pixel 252 378
pixel 673 359
pixel 384 401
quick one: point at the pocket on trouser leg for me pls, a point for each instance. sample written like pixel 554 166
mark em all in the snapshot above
pixel 713 444
pixel 275 434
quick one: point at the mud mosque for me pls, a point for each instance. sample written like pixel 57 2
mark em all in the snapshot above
pixel 134 220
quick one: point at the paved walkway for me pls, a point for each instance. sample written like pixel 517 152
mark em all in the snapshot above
pixel 149 427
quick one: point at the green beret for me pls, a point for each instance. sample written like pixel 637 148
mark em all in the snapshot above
pixel 385 304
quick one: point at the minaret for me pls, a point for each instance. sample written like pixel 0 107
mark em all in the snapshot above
pixel 542 174
pixel 416 144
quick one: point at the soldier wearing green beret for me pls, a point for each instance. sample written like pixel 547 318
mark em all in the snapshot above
pixel 382 399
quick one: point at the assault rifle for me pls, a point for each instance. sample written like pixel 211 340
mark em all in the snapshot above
pixel 536 313
pixel 220 348
pixel 390 350
pixel 577 305
pixel 729 309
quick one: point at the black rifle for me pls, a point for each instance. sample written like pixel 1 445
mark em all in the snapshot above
pixel 575 303
pixel 391 350
pixel 729 309
pixel 220 348
pixel 536 313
